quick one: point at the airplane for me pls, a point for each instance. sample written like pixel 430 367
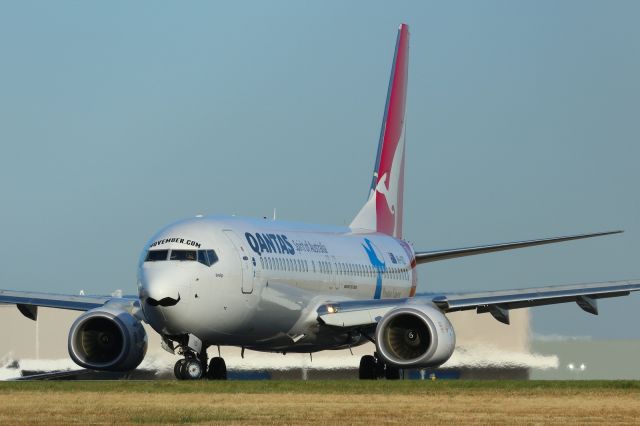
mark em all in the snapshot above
pixel 276 286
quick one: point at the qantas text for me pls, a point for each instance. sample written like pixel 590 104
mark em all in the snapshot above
pixel 269 243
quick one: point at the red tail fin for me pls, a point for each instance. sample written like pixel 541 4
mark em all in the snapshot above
pixel 383 210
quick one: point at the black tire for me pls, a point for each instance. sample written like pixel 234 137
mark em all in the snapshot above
pixel 192 370
pixel 392 373
pixel 217 369
pixel 177 369
pixel 368 368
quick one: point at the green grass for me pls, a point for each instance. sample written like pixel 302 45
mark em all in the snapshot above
pixel 313 402
pixel 318 387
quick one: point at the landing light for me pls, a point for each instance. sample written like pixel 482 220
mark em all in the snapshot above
pixel 332 309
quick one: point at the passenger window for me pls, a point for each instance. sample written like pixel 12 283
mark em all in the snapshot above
pixel 183 255
pixel 156 255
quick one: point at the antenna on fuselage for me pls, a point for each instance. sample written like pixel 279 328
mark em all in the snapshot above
pixel 274 213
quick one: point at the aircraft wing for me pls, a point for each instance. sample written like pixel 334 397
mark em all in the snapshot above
pixel 363 313
pixel 435 255
pixel 28 302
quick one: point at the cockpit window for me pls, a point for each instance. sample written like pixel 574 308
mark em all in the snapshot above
pixel 156 255
pixel 183 255
pixel 207 257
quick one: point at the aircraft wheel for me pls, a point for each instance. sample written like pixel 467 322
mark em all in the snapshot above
pixel 192 369
pixel 392 373
pixel 368 368
pixel 217 369
pixel 177 369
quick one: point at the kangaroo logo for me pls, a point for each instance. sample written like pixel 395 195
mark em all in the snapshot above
pixel 389 188
pixel 378 265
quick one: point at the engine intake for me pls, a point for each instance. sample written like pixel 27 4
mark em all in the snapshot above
pixel 416 336
pixel 107 339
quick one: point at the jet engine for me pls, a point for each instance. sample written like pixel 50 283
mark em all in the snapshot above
pixel 414 337
pixel 107 338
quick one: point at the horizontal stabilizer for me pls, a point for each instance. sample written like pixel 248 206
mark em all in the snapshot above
pixel 433 256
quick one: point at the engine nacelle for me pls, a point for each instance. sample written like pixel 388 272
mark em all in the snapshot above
pixel 107 338
pixel 415 336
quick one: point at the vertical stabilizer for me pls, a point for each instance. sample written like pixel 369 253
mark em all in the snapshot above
pixel 383 210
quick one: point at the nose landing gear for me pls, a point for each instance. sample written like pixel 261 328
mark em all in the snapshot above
pixel 189 368
pixel 192 369
pixel 194 366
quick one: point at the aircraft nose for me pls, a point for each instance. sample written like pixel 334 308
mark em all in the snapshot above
pixel 158 288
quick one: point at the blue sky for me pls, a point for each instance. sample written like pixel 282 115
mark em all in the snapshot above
pixel 522 122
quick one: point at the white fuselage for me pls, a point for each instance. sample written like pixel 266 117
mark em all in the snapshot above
pixel 268 280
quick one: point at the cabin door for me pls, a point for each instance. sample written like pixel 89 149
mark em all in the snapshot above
pixel 247 261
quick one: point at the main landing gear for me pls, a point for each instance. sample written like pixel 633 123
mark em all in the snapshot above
pixel 373 368
pixel 194 366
